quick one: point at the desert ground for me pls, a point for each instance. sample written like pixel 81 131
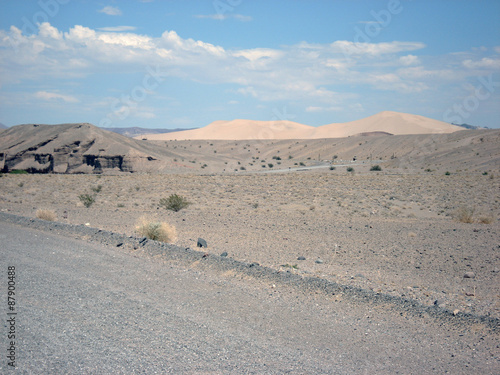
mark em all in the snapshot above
pixel 396 231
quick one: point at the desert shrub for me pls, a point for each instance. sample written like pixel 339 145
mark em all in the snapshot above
pixel 97 189
pixel 350 169
pixel 376 168
pixel 465 214
pixel 155 230
pixel 485 173
pixel 302 164
pixel 86 199
pixel 270 165
pixel 332 168
pixel 447 173
pixel 18 171
pixel 48 215
pixel 174 202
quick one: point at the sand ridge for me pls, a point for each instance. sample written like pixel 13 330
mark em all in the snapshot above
pixel 387 121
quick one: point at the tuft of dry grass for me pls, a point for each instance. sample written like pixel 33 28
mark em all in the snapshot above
pixel 465 214
pixel 48 215
pixel 486 219
pixel 155 230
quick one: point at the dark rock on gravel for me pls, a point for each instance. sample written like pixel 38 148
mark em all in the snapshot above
pixel 301 258
pixel 201 243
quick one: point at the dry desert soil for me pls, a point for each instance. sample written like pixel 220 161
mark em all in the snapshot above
pixel 393 233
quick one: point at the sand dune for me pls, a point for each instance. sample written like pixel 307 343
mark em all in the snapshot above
pixel 387 122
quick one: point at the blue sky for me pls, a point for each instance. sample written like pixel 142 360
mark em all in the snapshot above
pixel 183 64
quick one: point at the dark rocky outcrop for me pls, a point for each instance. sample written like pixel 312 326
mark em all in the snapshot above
pixel 74 148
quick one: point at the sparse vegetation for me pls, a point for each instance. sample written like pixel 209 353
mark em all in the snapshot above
pixel 155 230
pixel 87 199
pixel 270 165
pixel 302 164
pixel 97 189
pixel 486 219
pixel 447 173
pixel 18 171
pixel 465 214
pixel 350 169
pixel 332 168
pixel 174 202
pixel 48 215
pixel 376 168
pixel 294 266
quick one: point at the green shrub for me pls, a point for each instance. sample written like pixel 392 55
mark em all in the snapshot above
pixel 350 169
pixel 86 199
pixel 332 168
pixel 174 202
pixel 376 168
pixel 97 189
pixel 447 173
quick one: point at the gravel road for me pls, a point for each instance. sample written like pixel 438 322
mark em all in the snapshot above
pixel 103 307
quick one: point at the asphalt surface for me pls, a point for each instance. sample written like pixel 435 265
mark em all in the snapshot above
pixel 84 307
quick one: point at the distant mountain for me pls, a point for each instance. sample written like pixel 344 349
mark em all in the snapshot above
pixel 76 148
pixel 137 131
pixel 470 127
pixel 387 122
pixel 2 126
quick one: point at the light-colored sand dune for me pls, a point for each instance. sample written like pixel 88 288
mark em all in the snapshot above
pixel 390 122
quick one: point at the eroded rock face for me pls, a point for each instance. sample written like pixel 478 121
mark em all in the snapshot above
pixel 64 163
pixel 68 148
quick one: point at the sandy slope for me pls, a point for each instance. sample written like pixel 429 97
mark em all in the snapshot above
pixel 387 121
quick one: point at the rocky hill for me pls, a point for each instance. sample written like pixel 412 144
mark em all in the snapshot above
pixel 75 148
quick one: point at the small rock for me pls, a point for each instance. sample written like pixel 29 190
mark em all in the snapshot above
pixel 224 254
pixel 469 294
pixel 119 244
pixel 201 243
pixel 301 258
pixel 456 311
pixel 319 261
pixel 469 275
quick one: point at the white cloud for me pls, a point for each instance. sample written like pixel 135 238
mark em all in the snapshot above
pixel 111 11
pixel 44 95
pixel 222 17
pixel 323 77
pixel 409 60
pixel 117 28
pixel 485 62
